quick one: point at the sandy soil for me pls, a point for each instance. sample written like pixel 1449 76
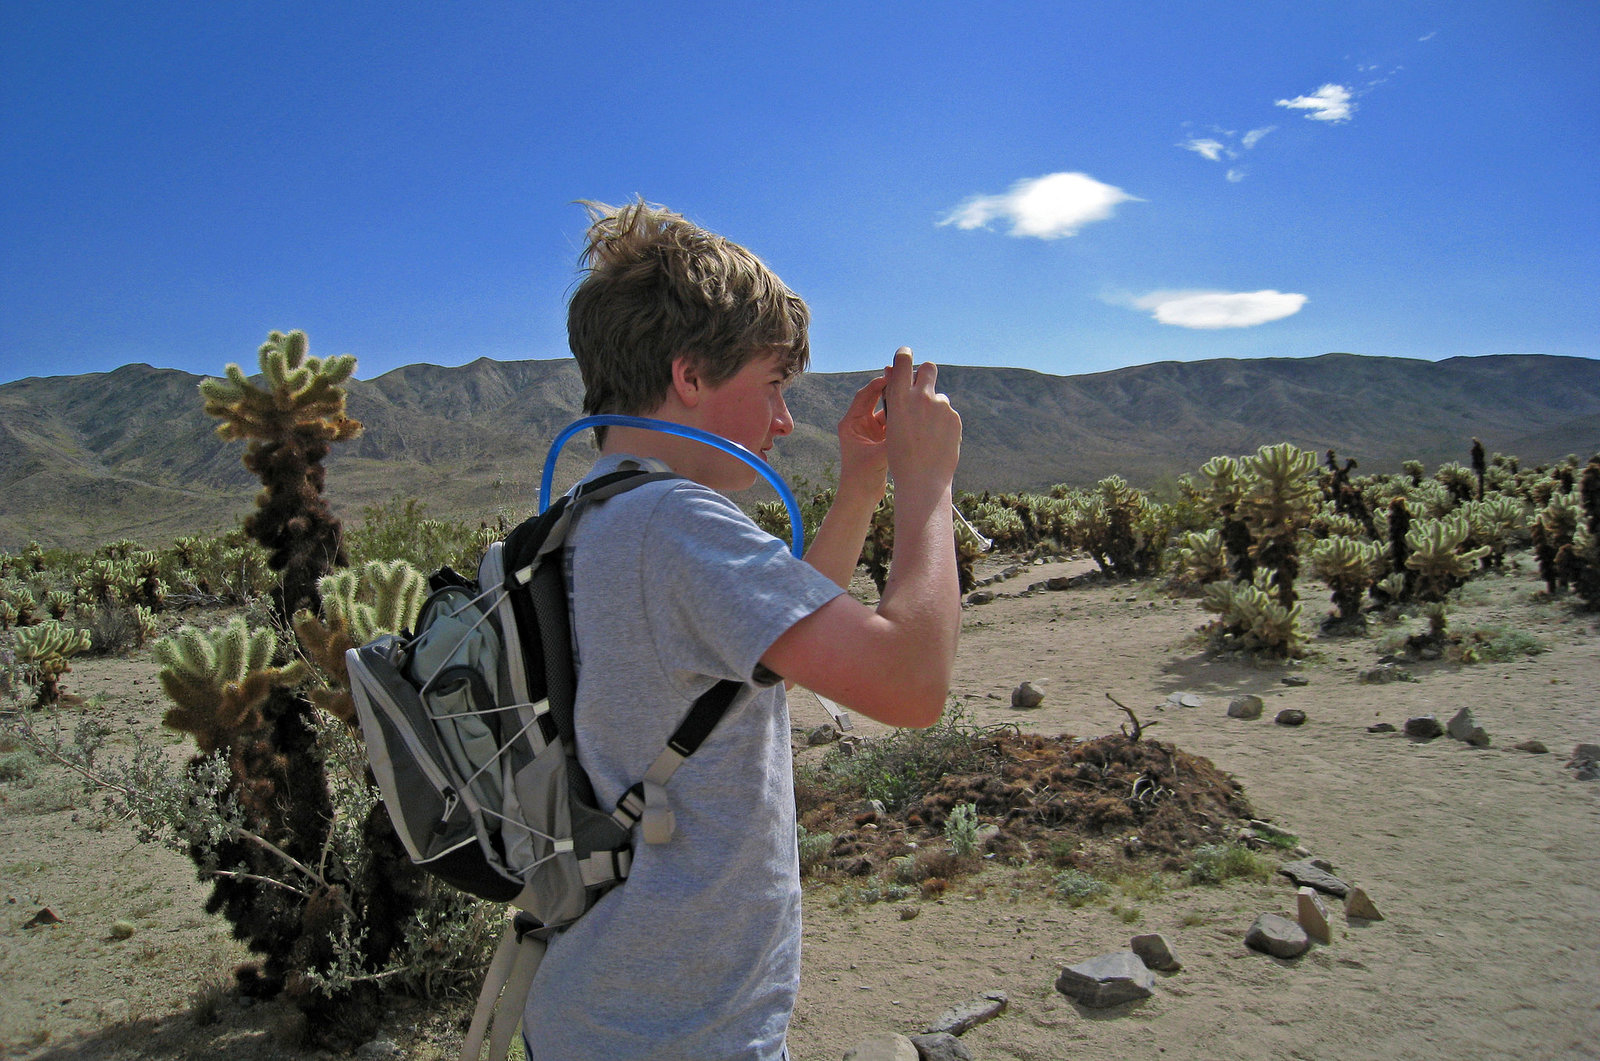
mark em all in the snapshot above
pixel 1483 862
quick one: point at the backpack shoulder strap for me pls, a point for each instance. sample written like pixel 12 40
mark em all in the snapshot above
pixel 647 799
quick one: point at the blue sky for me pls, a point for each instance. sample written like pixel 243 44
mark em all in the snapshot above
pixel 1068 187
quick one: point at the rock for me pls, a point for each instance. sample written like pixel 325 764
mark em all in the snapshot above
pixel 1584 753
pixel 1304 873
pixel 382 1049
pixel 1381 727
pixel 1291 716
pixel 1026 695
pixel 1059 582
pixel 1358 904
pixel 958 1020
pixel 1109 980
pixel 1464 728
pixel 941 1046
pixel 1534 747
pixel 1383 674
pixel 1423 727
pixel 1588 772
pixel 1185 700
pixel 884 1046
pixel 909 913
pixel 1156 952
pixel 1277 936
pixel 1296 680
pixel 122 930
pixel 823 734
pixel 45 916
pixel 1312 915
pixel 982 596
pixel 1246 707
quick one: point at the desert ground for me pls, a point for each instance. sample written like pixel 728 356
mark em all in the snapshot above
pixel 1483 862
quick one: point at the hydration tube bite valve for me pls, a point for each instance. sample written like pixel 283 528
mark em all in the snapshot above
pixel 733 449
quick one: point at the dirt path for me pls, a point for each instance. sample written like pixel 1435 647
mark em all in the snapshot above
pixel 1483 861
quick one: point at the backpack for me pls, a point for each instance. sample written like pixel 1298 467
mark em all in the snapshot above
pixel 468 723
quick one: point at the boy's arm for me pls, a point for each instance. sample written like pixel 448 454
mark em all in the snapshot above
pixel 893 663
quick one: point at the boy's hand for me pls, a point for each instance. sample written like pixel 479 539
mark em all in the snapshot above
pixel 922 433
pixel 863 452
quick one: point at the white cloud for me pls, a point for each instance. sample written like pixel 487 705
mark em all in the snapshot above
pixel 1236 174
pixel 1048 207
pixel 1210 149
pixel 1219 309
pixel 1330 103
pixel 1253 137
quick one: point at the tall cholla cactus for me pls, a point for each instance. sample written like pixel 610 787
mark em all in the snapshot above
pixel 380 597
pixel 1226 495
pixel 219 680
pixel 43 650
pixel 1586 537
pixel 290 423
pixel 1281 496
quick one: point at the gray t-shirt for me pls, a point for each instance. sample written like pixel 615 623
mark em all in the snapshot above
pixel 697 955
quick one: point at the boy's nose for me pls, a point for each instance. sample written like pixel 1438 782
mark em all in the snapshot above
pixel 782 423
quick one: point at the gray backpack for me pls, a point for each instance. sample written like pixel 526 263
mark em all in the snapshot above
pixel 469 731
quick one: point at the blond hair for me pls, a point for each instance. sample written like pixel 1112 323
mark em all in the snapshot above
pixel 655 287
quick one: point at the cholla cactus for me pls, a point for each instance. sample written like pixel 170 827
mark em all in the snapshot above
pixel 219 681
pixel 358 604
pixel 1202 559
pixel 1349 567
pixel 1122 530
pixel 1281 497
pixel 1225 496
pixel 43 651
pixel 23 607
pixel 1553 535
pixel 107 581
pixel 1437 556
pixel 1251 620
pixel 58 603
pixel 1460 482
pixel 1585 549
pixel 878 550
pixel 290 423
pixel 1496 522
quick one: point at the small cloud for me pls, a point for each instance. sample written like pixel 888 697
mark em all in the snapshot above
pixel 1219 309
pixel 1236 174
pixel 1209 149
pixel 1253 137
pixel 1428 37
pixel 1048 207
pixel 1330 103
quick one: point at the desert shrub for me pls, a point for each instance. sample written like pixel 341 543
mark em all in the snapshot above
pixel 961 829
pixel 402 530
pixel 1077 888
pixel 814 848
pixel 1219 863
pixel 1496 644
pixel 903 766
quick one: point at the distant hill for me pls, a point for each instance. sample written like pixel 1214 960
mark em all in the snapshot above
pixel 129 453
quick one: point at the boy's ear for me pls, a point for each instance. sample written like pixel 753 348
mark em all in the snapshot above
pixel 686 381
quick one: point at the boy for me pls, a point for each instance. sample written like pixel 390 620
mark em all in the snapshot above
pixel 697 956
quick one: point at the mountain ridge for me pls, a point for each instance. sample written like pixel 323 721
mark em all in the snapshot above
pixel 130 452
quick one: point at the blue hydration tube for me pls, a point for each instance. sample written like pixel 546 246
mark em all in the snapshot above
pixel 796 525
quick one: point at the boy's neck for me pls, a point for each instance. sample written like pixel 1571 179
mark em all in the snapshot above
pixel 685 456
